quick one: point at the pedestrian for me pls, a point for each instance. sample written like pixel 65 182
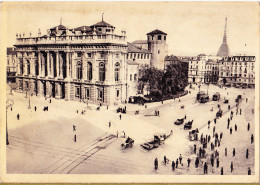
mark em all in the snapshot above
pixel 35 108
pixel 75 138
pixel 109 124
pixel 252 138
pixel 50 100
pixel 222 171
pixel 201 138
pixel 196 162
pixel 205 168
pixel 165 160
pixel 156 164
pixel 107 106
pixel 200 152
pixel 177 163
pixel 231 167
pixel 74 128
pixel 188 160
pixel 173 165
pixel 249 171
pixel 230 130
pixel 195 148
pixel 180 158
pixel 214 130
pixel 217 162
pixel 228 120
pixel 215 120
pixel 247 153
pixel 18 116
pixel 240 111
pixel 209 122
pixel 77 111
pixel 185 116
pixel 234 152
pixel 124 133
pixel 212 161
pixel 248 126
pixel 235 127
pixel 117 133
pixel 209 139
pixel 221 135
pixel 216 142
pixel 225 151
pixel 120 116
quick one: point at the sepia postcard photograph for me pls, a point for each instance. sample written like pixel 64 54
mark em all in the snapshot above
pixel 129 91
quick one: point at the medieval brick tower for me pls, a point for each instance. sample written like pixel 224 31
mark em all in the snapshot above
pixel 158 47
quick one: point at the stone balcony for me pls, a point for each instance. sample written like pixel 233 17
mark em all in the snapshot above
pixel 73 39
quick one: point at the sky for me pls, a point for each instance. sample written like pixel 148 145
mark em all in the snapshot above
pixel 192 27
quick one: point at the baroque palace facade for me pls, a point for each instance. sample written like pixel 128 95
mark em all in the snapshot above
pixel 87 63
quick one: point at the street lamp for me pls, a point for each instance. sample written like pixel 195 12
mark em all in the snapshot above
pixel 29 106
pixel 9 103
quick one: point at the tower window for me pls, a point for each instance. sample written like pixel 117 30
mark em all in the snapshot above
pixel 159 37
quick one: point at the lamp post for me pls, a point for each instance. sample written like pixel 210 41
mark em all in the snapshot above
pixel 29 106
pixel 9 103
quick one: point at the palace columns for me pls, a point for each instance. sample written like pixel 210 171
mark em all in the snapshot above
pixel 57 64
pixel 48 63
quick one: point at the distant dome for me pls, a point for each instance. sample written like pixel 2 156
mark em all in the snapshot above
pixel 223 50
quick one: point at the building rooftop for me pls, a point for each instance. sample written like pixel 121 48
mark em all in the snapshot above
pixel 83 29
pixel 154 32
pixel 140 42
pixel 102 24
pixel 60 27
pixel 135 49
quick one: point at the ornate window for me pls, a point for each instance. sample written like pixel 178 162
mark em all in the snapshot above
pixel 102 72
pixel 79 70
pixel 117 71
pixel 89 71
pixel 28 67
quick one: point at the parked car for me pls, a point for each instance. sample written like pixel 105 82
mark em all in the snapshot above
pixel 228 85
pixel 216 96
pixel 179 121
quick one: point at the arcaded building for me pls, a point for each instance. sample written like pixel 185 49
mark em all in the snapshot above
pixel 87 64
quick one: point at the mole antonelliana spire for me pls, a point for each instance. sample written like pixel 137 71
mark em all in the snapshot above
pixel 224 49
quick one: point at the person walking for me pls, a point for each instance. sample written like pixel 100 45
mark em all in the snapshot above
pixel 231 167
pixel 188 160
pixel 230 130
pixel 195 148
pixel 249 171
pixel 75 138
pixel 35 108
pixel 240 111
pixel 247 153
pixel 156 164
pixel 221 135
pixel 180 158
pixel 50 100
pixel 226 152
pixel 74 128
pixel 173 165
pixel 196 162
pixel 248 126
pixel 215 120
pixel 209 139
pixel 177 163
pixel 235 127
pixel 165 160
pixel 120 116
pixel 18 116
pixel 252 138
pixel 212 161
pixel 222 171
pixel 234 152
pixel 109 124
pixel 205 168
pixel 217 162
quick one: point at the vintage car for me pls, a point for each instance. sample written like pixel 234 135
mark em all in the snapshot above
pixel 128 143
pixel 179 121
pixel 156 142
pixel 188 125
pixel 226 101
pixel 216 96
pixel 228 85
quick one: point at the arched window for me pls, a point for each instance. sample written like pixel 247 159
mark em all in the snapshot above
pixel 79 70
pixel 21 66
pixel 28 67
pixel 101 72
pixel 117 71
pixel 89 71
